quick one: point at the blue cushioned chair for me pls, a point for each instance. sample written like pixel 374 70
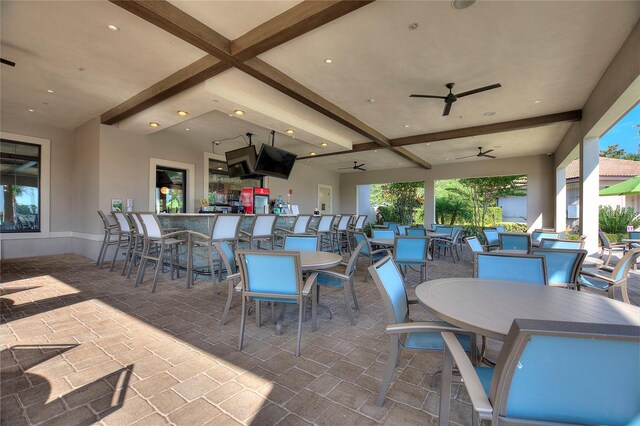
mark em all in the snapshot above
pixel 597 279
pixel 261 284
pixel 411 252
pixel 511 267
pixel 366 251
pixel 416 232
pixel 403 332
pixel 563 265
pixel 382 233
pixel 538 378
pixel 402 230
pixel 491 236
pixel 500 229
pixel 301 242
pixel 444 229
pixel 514 241
pixel 561 244
pixel 343 279
pixel 474 245
pixel 605 244
pixel 228 269
pixel 539 234
pixel 444 244
pixel 393 226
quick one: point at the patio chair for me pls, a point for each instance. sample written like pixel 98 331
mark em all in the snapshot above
pixel 285 286
pixel 562 244
pixel 360 222
pixel 634 235
pixel 262 229
pixel 444 229
pixel 382 233
pixel 562 265
pixel 597 279
pixel 125 238
pixel 372 255
pixel 514 241
pixel 403 332
pixel 300 226
pixel 225 227
pixel 154 235
pixel 138 242
pixel 110 231
pixel 539 234
pixel 491 236
pixel 538 379
pixel 300 242
pixel 340 232
pixel 448 244
pixel 475 246
pixel 416 232
pixel 411 252
pixel 343 279
pixel 324 230
pixel 402 230
pixel 500 229
pixel 605 244
pixel 511 267
pixel 229 268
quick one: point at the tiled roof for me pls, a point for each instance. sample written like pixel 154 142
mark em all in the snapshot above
pixel 608 167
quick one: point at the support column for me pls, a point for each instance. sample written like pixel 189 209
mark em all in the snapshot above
pixel 561 200
pixel 429 202
pixel 589 189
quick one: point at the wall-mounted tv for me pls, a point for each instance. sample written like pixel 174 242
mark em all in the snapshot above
pixel 241 162
pixel 274 162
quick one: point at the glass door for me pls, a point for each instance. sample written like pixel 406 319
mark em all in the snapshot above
pixel 171 190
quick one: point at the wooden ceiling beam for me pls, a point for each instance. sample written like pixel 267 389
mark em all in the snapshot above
pixel 408 155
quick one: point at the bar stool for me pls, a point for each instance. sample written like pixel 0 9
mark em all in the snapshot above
pixel 340 232
pixel 137 245
pixel 125 238
pixel 110 230
pixel 325 229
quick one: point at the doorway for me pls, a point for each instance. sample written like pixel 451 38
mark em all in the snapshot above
pixel 324 199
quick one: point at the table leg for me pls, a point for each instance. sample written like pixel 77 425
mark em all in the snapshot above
pixel 189 262
pixel 445 387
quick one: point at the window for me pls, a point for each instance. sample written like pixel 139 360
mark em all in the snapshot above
pixel 225 190
pixel 171 194
pixel 19 186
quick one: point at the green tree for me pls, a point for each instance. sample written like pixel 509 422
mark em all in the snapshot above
pixel 12 192
pixel 613 151
pixel 404 197
pixel 483 193
pixel 452 202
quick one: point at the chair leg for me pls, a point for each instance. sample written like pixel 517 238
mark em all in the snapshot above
pixel 366 272
pixel 242 321
pixel 143 263
pixel 394 354
pixel 210 257
pixel 300 313
pixel 158 267
pixel 102 249
pixel 347 303
pixel 258 314
pixel 127 255
pixel 445 387
pixel 115 254
pixel 353 294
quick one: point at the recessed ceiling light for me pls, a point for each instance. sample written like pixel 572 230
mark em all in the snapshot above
pixel 406 126
pixel 375 150
pixel 428 143
pixel 324 144
pixel 50 91
pixel 32 110
pixel 463 4
pixel 230 115
pixel 154 124
pixel 399 164
pixel 413 26
pixel 312 153
pixel 489 113
pixel 182 113
pixel 537 101
pixel 219 168
pixel 113 28
pixel 289 131
pixel 371 100
pixel 238 112
pixel 187 129
pixel 328 61
pixel 446 158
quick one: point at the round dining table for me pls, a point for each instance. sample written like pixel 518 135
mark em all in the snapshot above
pixel 488 307
pixel 310 260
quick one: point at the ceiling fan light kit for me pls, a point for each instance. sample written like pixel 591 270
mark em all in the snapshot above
pixel 451 97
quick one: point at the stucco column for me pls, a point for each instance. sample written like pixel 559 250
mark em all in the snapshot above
pixel 589 188
pixel 561 200
pixel 429 202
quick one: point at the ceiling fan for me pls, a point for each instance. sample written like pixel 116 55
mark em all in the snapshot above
pixel 356 166
pixel 451 98
pixel 479 154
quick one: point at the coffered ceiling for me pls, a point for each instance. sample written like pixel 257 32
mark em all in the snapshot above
pixel 548 56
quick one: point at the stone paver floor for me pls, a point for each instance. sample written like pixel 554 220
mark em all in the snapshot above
pixel 80 345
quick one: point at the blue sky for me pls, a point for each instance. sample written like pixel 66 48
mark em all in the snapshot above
pixel 624 133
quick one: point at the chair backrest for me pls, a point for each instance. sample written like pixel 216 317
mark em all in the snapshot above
pixel 121 220
pixel 622 267
pixel 301 242
pixel 226 254
pixel 563 265
pixel 410 248
pixel 263 225
pixel 634 235
pixel 104 218
pixel 604 240
pixel 537 235
pixel 390 284
pixel 133 218
pixel 344 222
pixel 259 280
pixel 416 232
pixel 491 235
pixel 538 376
pixel 225 227
pixel 302 224
pixel 353 260
pixel 500 228
pixel 511 267
pixel 474 244
pixel 360 221
pixel 442 229
pixel 362 237
pixel 393 226
pixel 382 233
pixel 402 230
pixel 325 223
pixel 456 233
pixel 514 241
pixel 561 244
pixel 433 226
pixel 150 225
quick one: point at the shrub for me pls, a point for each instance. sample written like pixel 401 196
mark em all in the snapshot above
pixel 514 226
pixel 616 237
pixel 616 220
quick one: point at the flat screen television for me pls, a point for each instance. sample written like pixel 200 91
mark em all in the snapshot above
pixel 274 162
pixel 241 162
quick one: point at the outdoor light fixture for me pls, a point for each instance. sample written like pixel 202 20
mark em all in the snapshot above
pixel 164 190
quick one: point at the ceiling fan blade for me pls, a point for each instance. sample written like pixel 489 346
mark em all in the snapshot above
pixel 486 152
pixel 360 168
pixel 467 156
pixel 428 96
pixel 345 168
pixel 489 156
pixel 447 108
pixel 7 62
pixel 481 89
